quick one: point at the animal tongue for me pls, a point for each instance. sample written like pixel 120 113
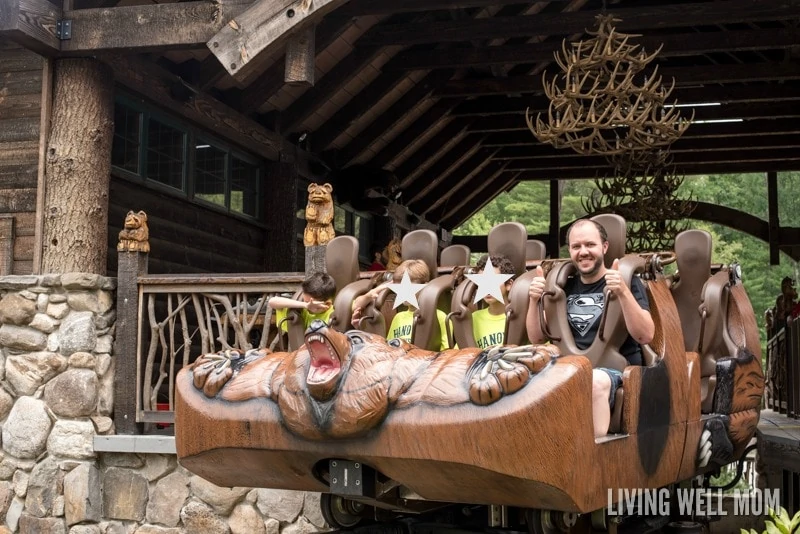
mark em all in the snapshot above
pixel 323 362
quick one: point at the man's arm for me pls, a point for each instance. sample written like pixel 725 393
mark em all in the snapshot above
pixel 638 320
pixel 532 324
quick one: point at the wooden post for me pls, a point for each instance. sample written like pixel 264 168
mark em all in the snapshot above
pixel 300 55
pixel 6 244
pixel 554 242
pixel 78 168
pixel 130 266
pixel 774 221
pixel 283 238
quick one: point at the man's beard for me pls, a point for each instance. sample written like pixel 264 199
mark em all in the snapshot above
pixel 593 270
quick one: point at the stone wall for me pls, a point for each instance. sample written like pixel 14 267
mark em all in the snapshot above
pixel 57 375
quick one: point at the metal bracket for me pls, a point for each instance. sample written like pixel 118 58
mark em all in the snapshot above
pixel 64 29
pixel 351 478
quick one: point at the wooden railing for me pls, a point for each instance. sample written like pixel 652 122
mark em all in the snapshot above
pixel 164 322
pixel 783 368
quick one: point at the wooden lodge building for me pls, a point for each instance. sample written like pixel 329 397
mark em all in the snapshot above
pixel 214 116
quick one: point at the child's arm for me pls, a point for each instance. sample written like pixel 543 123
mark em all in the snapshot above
pixel 279 303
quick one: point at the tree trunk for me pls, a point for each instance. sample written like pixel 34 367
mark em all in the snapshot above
pixel 77 168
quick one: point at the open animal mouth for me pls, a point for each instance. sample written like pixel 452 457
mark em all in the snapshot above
pixel 325 363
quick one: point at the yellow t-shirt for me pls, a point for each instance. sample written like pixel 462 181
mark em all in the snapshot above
pixel 401 327
pixel 487 329
pixel 281 313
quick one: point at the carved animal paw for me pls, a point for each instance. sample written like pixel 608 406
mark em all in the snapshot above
pixel 212 371
pixel 500 371
pixel 714 446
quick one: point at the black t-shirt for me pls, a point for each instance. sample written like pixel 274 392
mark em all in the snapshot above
pixel 585 304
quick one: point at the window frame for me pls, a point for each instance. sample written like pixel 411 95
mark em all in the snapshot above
pixel 192 135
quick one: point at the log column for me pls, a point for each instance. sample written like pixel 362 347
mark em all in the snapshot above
pixel 282 240
pixel 78 163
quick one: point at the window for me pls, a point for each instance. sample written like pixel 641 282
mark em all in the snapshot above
pixel 166 161
pixel 127 132
pixel 159 150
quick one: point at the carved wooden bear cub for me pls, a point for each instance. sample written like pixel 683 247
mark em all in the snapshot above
pixel 134 237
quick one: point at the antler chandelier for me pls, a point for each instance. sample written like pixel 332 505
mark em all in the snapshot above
pixel 603 102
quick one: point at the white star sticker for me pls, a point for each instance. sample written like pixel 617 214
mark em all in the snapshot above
pixel 406 292
pixel 489 282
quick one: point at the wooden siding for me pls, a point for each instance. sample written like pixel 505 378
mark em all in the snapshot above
pixel 185 237
pixel 20 116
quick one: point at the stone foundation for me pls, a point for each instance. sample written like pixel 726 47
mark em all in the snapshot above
pixel 57 377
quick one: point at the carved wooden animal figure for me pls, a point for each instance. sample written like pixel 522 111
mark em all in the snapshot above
pixel 343 385
pixel 134 237
pixel 508 426
pixel 319 215
pixel 393 254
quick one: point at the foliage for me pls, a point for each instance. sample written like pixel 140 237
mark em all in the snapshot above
pixel 780 523
pixel 726 475
pixel 529 204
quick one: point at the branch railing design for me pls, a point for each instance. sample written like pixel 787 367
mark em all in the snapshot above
pixel 166 321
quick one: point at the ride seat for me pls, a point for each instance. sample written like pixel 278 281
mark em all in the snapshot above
pixel 693 258
pixel 377 316
pixel 535 250
pixel 454 256
pixel 507 239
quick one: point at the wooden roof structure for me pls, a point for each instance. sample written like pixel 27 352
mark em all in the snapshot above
pixel 436 90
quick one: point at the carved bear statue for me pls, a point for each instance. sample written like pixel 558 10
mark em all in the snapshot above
pixel 319 215
pixel 134 237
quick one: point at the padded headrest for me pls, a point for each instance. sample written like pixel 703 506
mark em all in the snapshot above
pixel 693 253
pixel 535 250
pixel 617 235
pixel 421 245
pixel 508 239
pixel 341 260
pixel 454 256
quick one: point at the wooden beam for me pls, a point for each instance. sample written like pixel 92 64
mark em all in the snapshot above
pixel 148 27
pixel 310 101
pixel 154 82
pixel 392 115
pixel 6 244
pixel 467 190
pixel 263 29
pixel 447 163
pixel 688 169
pixel 447 187
pixel 271 80
pixel 679 159
pixel 299 60
pixel 675 45
pixel 371 7
pixel 748 128
pixel 32 24
pixel 553 241
pixel 355 108
pixel 774 221
pixel 695 75
pixel 758 92
pixel 441 141
pixel 632 19
pixel 709 144
pixel 750 111
pixel 503 182
pixel 415 131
